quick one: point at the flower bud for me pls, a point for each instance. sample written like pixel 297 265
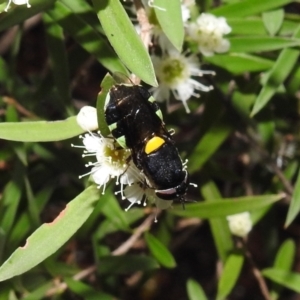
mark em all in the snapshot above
pixel 87 118
pixel 240 224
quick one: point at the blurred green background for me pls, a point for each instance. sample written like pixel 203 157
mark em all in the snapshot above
pixel 241 140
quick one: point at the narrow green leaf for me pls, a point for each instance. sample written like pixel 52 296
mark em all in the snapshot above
pixel 283 261
pixel 107 227
pixel 230 275
pixel 247 8
pixel 86 36
pixel 159 251
pixel 19 232
pixel 84 11
pixel 209 144
pixel 265 95
pixel 255 26
pixel 273 20
pixel 20 151
pixel 279 72
pixel 9 204
pixel 287 279
pixel 106 85
pixel 126 264
pixel 21 13
pixel 2 243
pixel 219 226
pixel 285 62
pixel 293 82
pixel 51 236
pixel 124 39
pixel 242 26
pixel 170 19
pixel 294 207
pixel 112 210
pixel 86 291
pixel 195 291
pixel 58 57
pixel 32 206
pixel 261 44
pixel 225 207
pixel 285 256
pixel 4 72
pixel 39 292
pixel 239 63
pixel 40 131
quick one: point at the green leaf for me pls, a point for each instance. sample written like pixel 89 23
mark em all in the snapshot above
pixel 40 131
pixel 86 291
pixel 112 210
pixel 279 72
pixel 255 26
pixel 195 291
pixel 293 82
pixel 230 275
pixel 261 44
pixel 225 207
pixel 273 20
pixel 247 8
pixel 39 292
pixel 58 57
pixel 124 39
pixel 294 207
pixel 209 144
pixel 239 63
pixel 265 95
pixel 159 251
pixel 285 256
pixel 283 261
pixel 19 232
pixel 10 202
pixel 126 264
pixel 21 13
pixel 170 20
pixel 51 236
pixel 86 36
pixel 106 85
pixel 287 279
pixel 32 206
pixel 219 226
pixel 242 26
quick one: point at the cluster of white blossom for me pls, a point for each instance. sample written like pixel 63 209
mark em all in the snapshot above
pixel 177 72
pixel 113 162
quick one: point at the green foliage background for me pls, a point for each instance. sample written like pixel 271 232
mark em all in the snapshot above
pixel 241 140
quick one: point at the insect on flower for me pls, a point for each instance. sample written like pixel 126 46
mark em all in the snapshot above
pixel 135 121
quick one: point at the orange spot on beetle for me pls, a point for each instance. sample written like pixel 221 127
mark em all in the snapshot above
pixel 153 144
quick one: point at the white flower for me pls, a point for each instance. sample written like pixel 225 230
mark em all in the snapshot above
pixel 155 32
pixel 174 72
pixel 87 118
pixel 112 161
pixel 185 12
pixel 17 2
pixel 208 32
pixel 138 193
pixel 240 224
